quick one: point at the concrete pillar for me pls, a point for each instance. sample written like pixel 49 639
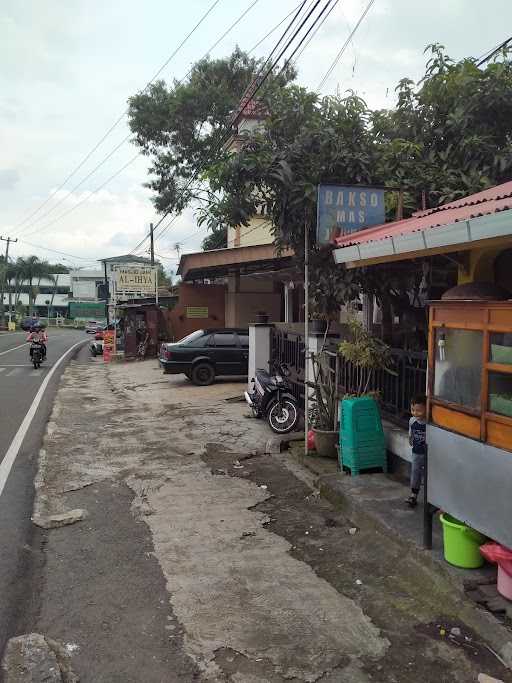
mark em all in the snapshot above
pixel 287 303
pixel 368 312
pixel 259 348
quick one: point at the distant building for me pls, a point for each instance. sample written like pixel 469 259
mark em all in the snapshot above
pixel 85 283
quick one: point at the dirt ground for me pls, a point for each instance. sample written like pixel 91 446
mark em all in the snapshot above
pixel 201 560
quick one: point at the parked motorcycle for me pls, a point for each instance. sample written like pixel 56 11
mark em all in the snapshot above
pixel 36 353
pixel 271 399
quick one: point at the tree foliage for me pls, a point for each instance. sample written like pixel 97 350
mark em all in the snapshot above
pixel 448 136
pixel 183 127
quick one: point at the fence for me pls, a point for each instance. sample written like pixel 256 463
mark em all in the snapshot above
pixel 395 389
pixel 287 346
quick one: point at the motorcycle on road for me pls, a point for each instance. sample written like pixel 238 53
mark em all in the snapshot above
pixel 36 354
pixel 271 398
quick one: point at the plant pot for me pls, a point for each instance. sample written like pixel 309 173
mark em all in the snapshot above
pixel 262 318
pixel 318 326
pixel 325 443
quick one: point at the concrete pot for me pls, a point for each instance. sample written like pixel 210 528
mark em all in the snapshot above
pixel 325 443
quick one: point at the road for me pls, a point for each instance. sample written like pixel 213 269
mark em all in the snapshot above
pixel 19 385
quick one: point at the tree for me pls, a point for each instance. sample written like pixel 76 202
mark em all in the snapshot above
pixel 164 277
pixel 183 127
pixel 58 268
pixel 450 135
pixel 29 270
pixel 218 239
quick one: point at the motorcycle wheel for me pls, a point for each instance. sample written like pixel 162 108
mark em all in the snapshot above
pixel 283 416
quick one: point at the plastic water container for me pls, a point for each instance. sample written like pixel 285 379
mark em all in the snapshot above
pixel 502 556
pixel 461 543
pixel 505 579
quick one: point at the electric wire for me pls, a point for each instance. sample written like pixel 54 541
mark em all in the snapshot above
pixel 56 251
pixel 224 136
pixel 127 137
pixel 256 84
pixel 315 32
pixel 120 118
pixel 344 47
pixel 87 197
pixel 493 52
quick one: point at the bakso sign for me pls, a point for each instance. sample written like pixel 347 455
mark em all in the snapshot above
pixel 135 279
pixel 343 209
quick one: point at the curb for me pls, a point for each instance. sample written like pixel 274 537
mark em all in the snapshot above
pixel 483 623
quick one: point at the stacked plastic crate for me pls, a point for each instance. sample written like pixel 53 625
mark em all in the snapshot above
pixel 362 442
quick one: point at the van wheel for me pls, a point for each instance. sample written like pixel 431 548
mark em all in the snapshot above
pixel 203 374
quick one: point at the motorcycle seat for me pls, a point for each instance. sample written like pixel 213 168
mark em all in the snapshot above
pixel 264 377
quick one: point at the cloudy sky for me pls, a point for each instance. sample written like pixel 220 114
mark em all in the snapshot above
pixel 68 67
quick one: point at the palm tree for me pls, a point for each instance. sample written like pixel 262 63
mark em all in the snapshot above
pixel 30 269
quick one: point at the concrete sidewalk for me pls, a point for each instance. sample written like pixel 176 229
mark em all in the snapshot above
pixel 379 500
pixel 190 555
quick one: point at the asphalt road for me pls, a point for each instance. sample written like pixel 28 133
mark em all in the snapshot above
pixel 19 384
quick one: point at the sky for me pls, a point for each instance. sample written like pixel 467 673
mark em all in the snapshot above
pixel 69 66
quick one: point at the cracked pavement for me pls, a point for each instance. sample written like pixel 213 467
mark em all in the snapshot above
pixel 189 566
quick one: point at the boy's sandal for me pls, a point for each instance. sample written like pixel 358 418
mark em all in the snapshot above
pixel 412 501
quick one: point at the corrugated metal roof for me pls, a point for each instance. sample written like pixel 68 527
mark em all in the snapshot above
pixel 497 198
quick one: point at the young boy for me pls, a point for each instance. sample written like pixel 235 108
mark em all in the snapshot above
pixel 417 439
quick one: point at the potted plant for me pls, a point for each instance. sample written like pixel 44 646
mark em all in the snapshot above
pixel 330 288
pixel 362 437
pixel 323 411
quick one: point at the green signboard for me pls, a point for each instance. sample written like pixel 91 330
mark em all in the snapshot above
pixel 86 309
pixel 197 311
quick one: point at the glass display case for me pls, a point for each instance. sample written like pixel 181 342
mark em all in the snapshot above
pixel 470 369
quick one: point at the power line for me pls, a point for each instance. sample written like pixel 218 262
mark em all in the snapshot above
pixel 86 198
pixel 258 81
pixel 315 32
pixel 56 251
pixel 120 118
pixel 125 139
pixel 494 51
pixel 310 29
pixel 74 189
pixel 222 135
pixel 344 47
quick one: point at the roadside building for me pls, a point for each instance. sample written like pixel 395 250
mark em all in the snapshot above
pixel 248 279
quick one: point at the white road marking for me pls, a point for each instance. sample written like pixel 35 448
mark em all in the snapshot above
pixel 13 450
pixel 2 353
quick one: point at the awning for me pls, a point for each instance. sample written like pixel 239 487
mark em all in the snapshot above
pixel 222 262
pixel 482 219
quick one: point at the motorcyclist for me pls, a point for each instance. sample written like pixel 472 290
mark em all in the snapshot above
pixel 38 335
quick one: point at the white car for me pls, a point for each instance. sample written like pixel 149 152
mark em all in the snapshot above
pixel 92 326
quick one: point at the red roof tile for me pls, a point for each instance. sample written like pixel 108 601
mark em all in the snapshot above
pixel 497 198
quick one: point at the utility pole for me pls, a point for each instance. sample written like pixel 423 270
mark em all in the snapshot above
pixel 152 244
pixel 3 279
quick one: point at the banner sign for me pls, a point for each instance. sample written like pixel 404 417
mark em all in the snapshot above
pixel 342 210
pixel 135 280
pixel 197 311
pixel 109 344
